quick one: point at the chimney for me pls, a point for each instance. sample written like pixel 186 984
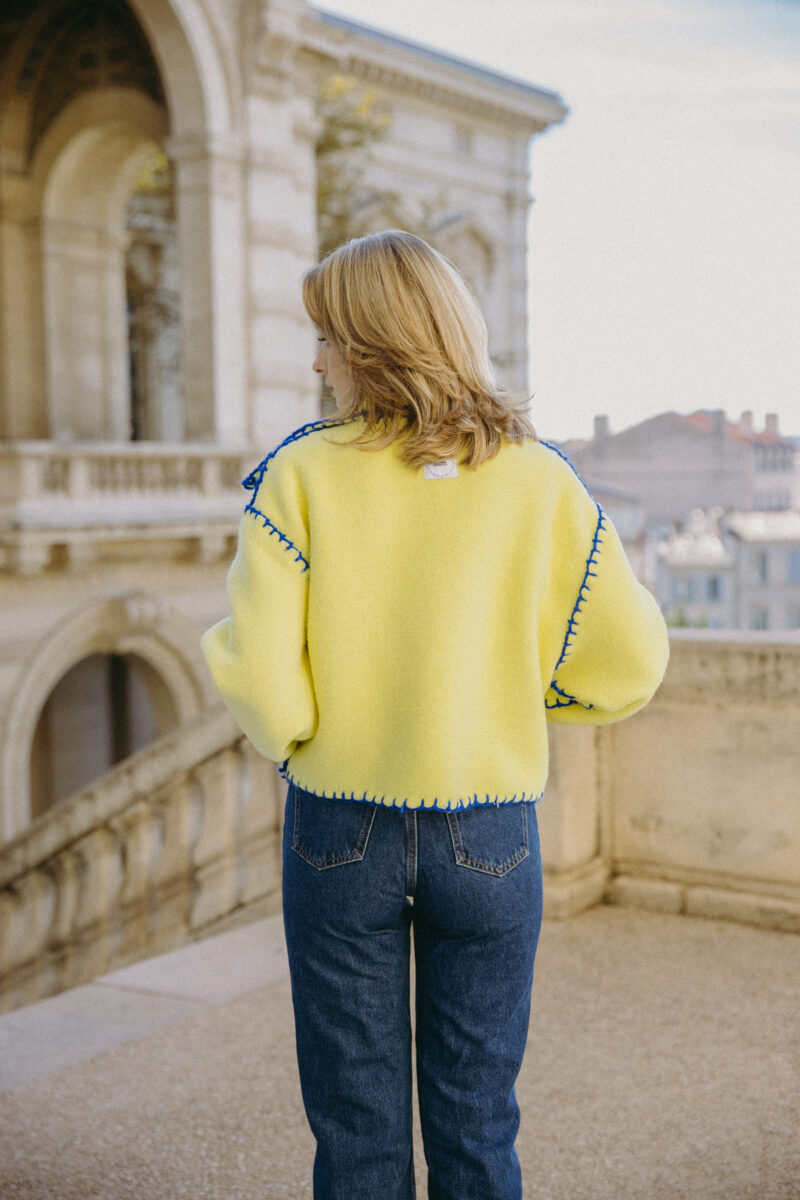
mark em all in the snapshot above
pixel 719 422
pixel 771 424
pixel 746 422
pixel 600 428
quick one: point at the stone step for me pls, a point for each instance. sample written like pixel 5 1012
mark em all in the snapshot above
pixel 138 1000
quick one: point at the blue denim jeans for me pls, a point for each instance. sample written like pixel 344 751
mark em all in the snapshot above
pixel 357 878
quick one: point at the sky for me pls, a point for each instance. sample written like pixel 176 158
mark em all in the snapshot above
pixel 664 237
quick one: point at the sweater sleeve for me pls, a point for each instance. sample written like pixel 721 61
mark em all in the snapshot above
pixel 258 656
pixel 615 648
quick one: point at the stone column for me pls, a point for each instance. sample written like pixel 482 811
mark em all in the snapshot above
pixel 575 869
pixel 281 218
pixel 208 174
pixel 517 207
pixel 23 392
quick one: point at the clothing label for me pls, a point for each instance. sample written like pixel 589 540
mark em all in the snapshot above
pixel 446 469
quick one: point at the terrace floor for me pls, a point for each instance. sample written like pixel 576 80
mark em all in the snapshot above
pixel 663 1064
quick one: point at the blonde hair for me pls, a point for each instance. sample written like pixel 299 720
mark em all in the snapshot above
pixel 415 342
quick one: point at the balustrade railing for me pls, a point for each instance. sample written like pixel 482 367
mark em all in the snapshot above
pixel 151 855
pixel 35 475
pixel 80 496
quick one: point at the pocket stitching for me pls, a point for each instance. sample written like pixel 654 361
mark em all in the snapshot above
pixel 473 864
pixel 335 860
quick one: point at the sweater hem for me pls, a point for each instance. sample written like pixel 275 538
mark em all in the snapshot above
pixel 392 802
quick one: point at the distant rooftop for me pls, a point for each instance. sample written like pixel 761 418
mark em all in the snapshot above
pixel 424 51
pixel 739 431
pixel 706 421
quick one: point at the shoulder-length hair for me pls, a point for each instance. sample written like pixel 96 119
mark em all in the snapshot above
pixel 415 342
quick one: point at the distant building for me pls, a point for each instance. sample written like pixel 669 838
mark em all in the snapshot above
pixel 676 463
pixel 695 575
pixel 766 547
pixel 739 570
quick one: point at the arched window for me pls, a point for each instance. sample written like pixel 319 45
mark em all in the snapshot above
pixel 104 709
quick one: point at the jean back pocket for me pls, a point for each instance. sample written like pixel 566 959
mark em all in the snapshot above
pixel 490 838
pixel 329 833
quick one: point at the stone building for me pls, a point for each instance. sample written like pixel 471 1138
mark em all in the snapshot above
pixel 767 554
pixel 735 570
pixel 157 207
pixel 695 575
pixel 676 463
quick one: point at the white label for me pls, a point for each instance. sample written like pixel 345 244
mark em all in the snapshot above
pixel 447 469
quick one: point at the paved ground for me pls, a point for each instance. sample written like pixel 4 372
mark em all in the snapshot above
pixel 663 1064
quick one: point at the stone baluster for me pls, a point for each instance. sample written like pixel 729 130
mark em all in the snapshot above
pixel 37 902
pixel 138 828
pixel 263 793
pixel 79 481
pixel 30 477
pixel 215 855
pixel 66 868
pixel 179 808
pixel 11 918
pixel 102 874
pixel 210 476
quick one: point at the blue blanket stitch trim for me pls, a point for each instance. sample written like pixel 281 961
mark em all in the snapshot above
pixel 253 483
pixel 254 478
pixel 565 700
pixel 286 542
pixel 584 589
pixel 470 802
pixel 571 466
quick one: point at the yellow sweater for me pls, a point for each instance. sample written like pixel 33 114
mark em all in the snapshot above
pixel 404 639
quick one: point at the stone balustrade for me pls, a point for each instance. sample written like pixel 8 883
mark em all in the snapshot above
pixel 154 854
pixel 691 806
pixel 79 495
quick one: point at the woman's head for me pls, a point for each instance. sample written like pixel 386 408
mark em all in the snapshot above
pixel 413 339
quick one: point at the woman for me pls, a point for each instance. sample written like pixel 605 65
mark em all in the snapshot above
pixel 420 585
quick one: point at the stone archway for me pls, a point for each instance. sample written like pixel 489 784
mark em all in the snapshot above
pixel 164 52
pixel 106 707
pixel 132 627
pixel 86 167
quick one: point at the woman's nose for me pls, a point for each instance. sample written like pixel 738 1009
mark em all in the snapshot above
pixel 318 364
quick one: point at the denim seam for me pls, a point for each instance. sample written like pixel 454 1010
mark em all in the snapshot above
pixel 471 802
pixel 411 869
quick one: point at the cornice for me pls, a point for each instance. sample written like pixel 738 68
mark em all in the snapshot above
pixel 396 64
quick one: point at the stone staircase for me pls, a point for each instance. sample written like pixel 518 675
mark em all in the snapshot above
pixel 159 851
